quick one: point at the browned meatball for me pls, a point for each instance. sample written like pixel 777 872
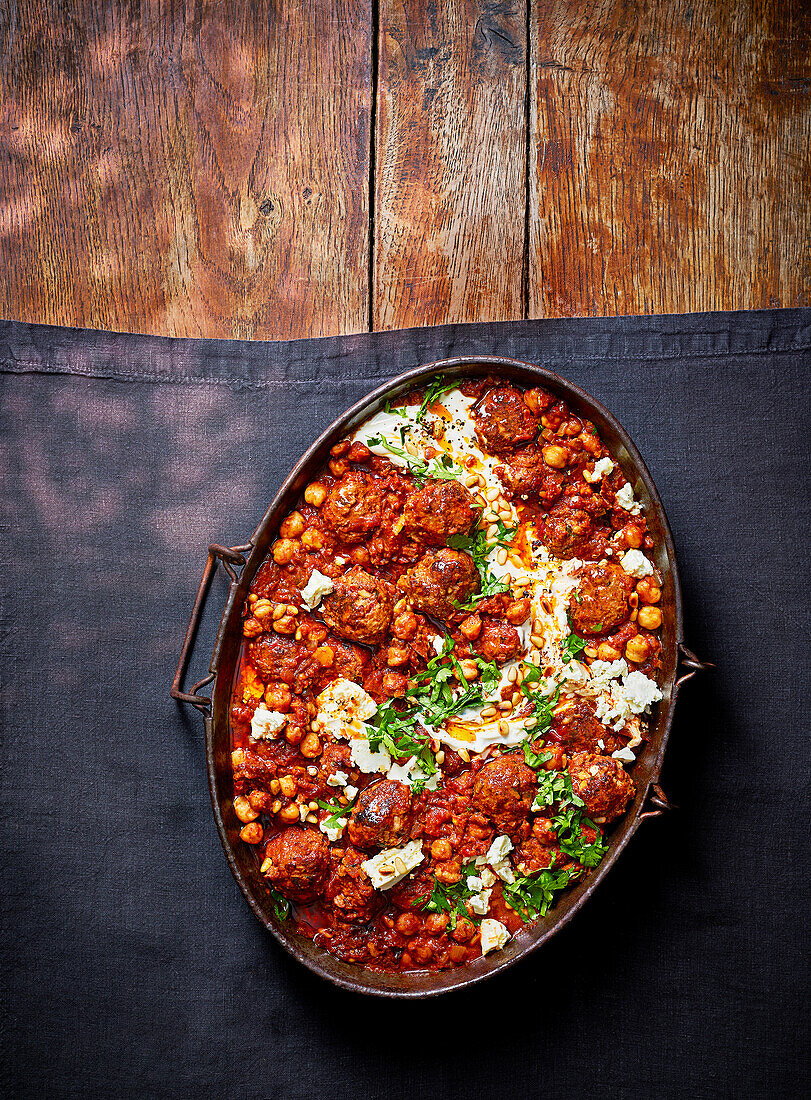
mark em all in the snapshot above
pixel 349 890
pixel 349 663
pixel 276 656
pixel 360 608
pixel 299 863
pixel 441 581
pixel 504 420
pixel 437 510
pixel 354 507
pixel 382 815
pixel 576 727
pixel 600 601
pixel 498 641
pixel 603 784
pixel 504 790
pixel 565 530
pixel 528 476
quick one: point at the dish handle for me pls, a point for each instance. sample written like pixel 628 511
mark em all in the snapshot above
pixel 656 801
pixel 229 556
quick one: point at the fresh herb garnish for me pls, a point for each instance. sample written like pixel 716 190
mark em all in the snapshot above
pixel 543 699
pixel 478 547
pixel 394 410
pixel 396 732
pixel 449 898
pixel 436 697
pixel 572 647
pixel 280 905
pixel 441 468
pixel 532 895
pixel 568 824
pixel 335 811
pixel 554 787
pixel 436 389
pixel 534 759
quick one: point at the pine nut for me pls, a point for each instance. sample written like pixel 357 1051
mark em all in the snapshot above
pixel 501 556
pixel 489 712
pixel 536 639
pixel 471 480
pixel 503 728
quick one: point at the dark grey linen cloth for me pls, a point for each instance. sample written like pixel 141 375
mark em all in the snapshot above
pixel 131 965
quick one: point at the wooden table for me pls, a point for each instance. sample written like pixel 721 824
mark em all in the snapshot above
pixel 308 167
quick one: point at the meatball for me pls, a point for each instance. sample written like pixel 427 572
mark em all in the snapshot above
pixel 382 815
pixel 349 889
pixel 498 641
pixel 437 510
pixel 527 475
pixel 299 863
pixel 600 601
pixel 504 790
pixel 565 530
pixel 440 582
pixel 276 656
pixel 603 784
pixel 354 507
pixel 349 663
pixel 504 420
pixel 576 727
pixel 360 608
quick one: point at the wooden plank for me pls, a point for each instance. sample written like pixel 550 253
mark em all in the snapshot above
pixel 669 168
pixel 186 168
pixel 451 155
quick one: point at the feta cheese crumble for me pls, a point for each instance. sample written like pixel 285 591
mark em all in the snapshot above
pixel 337 779
pixel 498 858
pixel 266 723
pixel 601 469
pixel 411 773
pixel 636 564
pixel 369 762
pixel 392 865
pixel 624 755
pixel 625 499
pixel 343 707
pixel 494 935
pixel 316 588
pixel 333 832
pixel 633 696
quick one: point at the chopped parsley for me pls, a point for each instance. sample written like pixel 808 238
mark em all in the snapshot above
pixel 436 697
pixel 449 897
pixel 478 547
pixel 436 389
pixel 572 647
pixel 569 826
pixel 543 699
pixel 396 732
pixel 532 895
pixel 534 759
pixel 335 811
pixel 279 904
pixel 555 787
pixel 441 468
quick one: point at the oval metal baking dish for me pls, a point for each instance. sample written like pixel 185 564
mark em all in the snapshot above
pixel 242 562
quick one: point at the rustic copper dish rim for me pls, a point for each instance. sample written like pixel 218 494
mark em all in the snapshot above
pixel 650 801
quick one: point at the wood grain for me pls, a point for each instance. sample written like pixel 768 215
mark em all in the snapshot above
pixel 670 162
pixel 450 178
pixel 193 168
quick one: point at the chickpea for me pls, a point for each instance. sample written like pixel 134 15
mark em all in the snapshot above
pixel 436 923
pixel 555 456
pixel 310 745
pixel 590 443
pixel 449 872
pixel 293 734
pixel 284 551
pixel 471 627
pixel 290 813
pixel 292 526
pixel 650 618
pixel 278 697
pixel 407 924
pixel 404 626
pixel 312 539
pixel 396 656
pixel 258 800
pixel 470 670
pixel 394 684
pixel 252 833
pixel 572 427
pixel 251 628
pixel 285 625
pixel 632 536
pixel 463 931
pixel 518 612
pixel 457 953
pixel 359 555
pixel 422 952
pixel 535 400
pixel 338 466
pixel 288 786
pixel 648 590
pixel 244 810
pixel 637 649
pixel 263 609
pixel 441 849
pixel 340 449
pixel 315 494
pixel 237 759
pixel 606 652
pixel 325 656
